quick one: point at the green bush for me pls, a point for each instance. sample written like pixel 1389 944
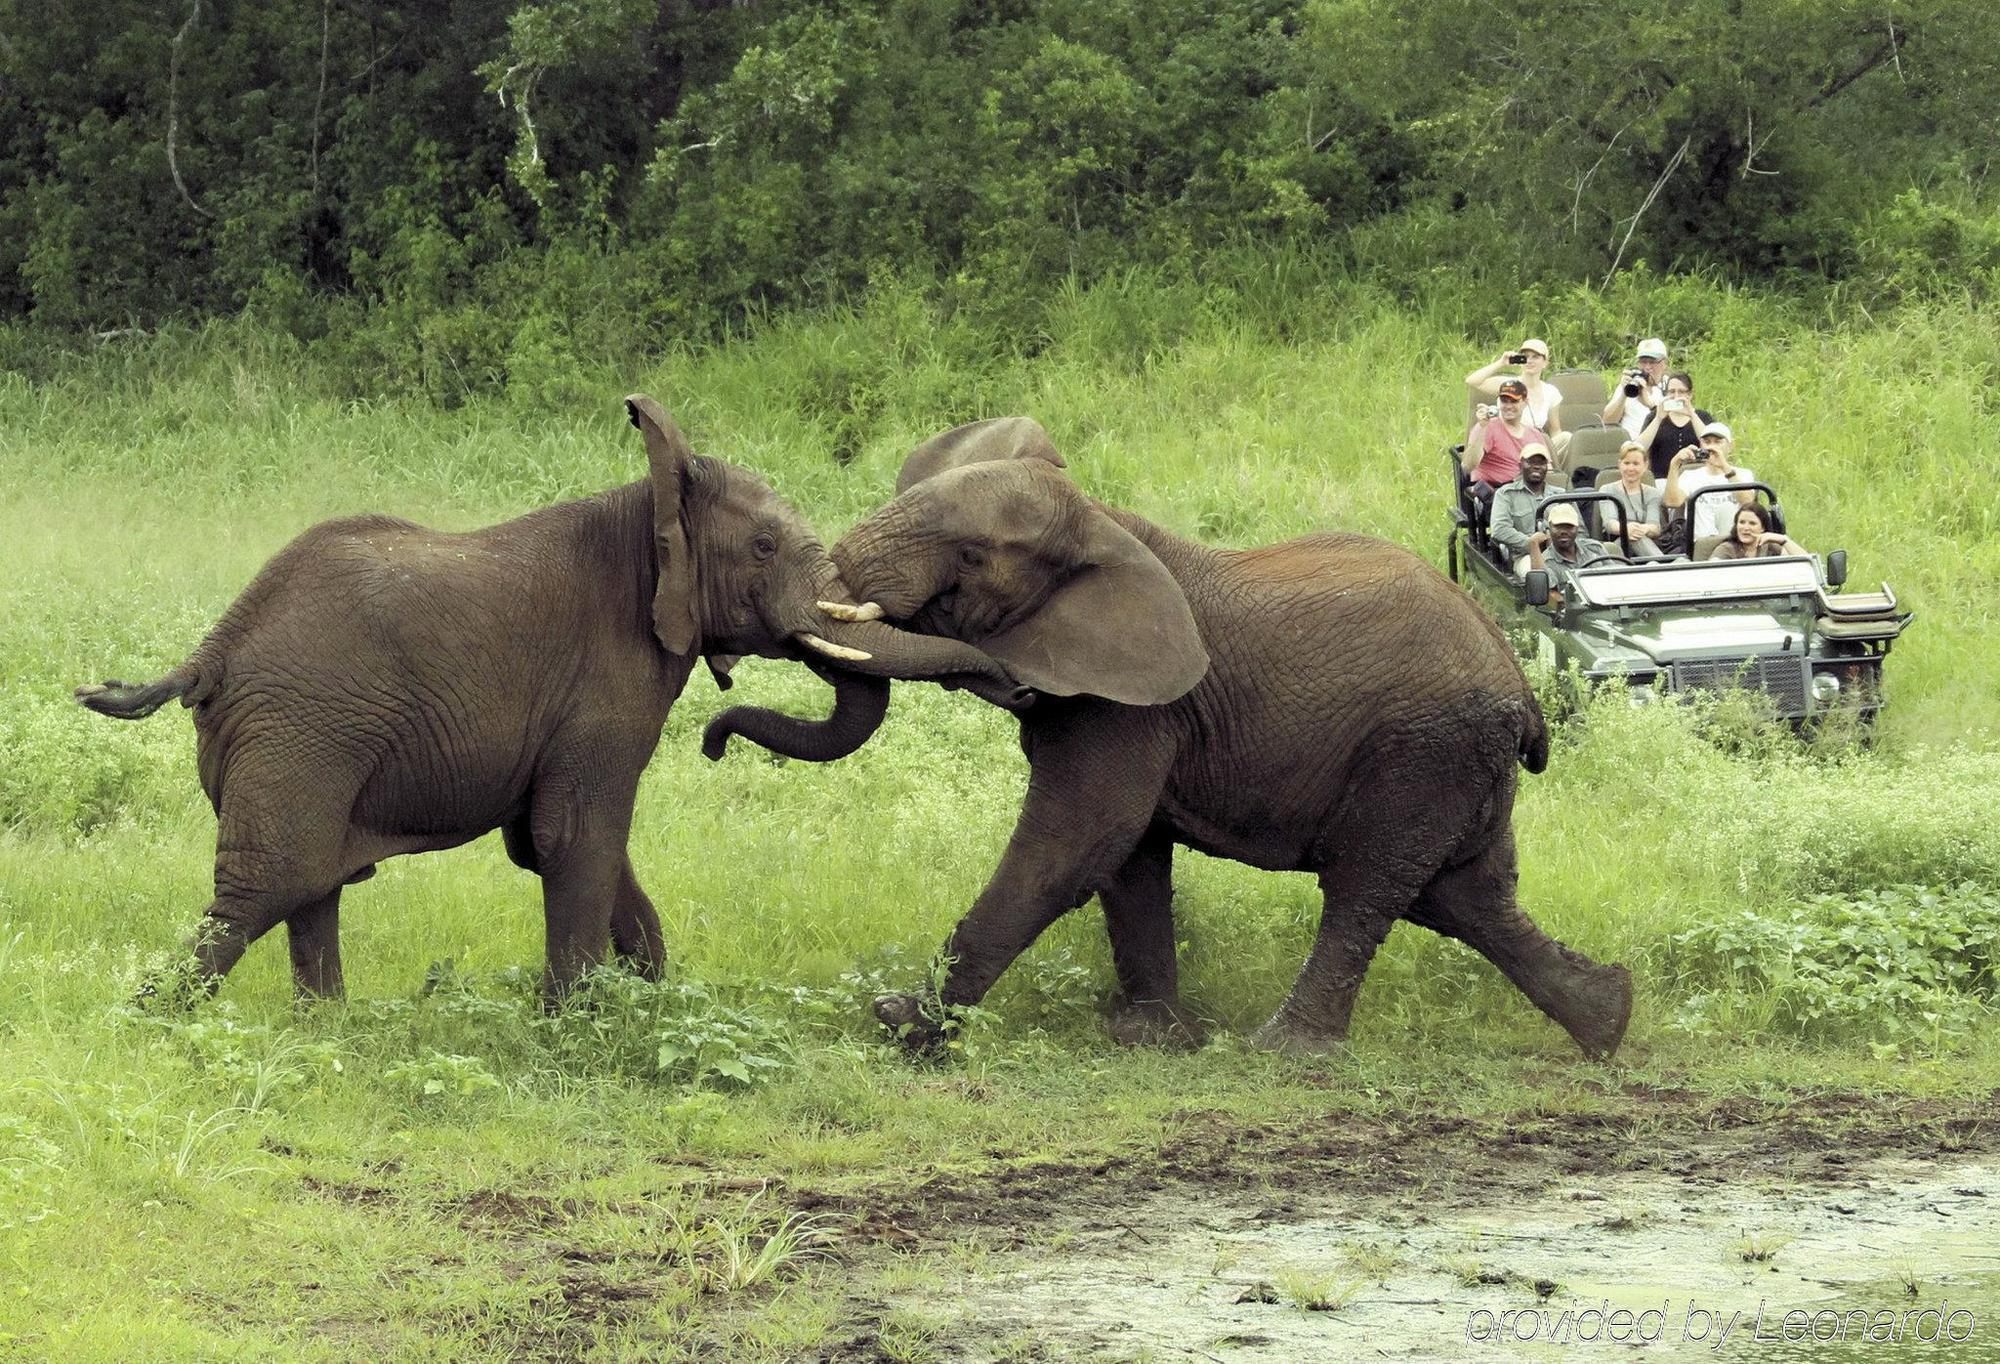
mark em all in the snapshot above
pixel 1906 966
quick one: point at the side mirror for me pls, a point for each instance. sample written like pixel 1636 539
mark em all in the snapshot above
pixel 1836 568
pixel 1538 587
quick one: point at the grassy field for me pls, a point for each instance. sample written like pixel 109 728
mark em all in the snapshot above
pixel 437 1170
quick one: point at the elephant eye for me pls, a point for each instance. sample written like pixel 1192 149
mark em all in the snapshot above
pixel 971 556
pixel 765 546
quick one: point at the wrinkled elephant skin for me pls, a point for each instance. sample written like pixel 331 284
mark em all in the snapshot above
pixel 381 688
pixel 1331 704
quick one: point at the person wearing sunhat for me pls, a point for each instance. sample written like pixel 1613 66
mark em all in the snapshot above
pixel 1563 547
pixel 1640 388
pixel 1511 523
pixel 1542 399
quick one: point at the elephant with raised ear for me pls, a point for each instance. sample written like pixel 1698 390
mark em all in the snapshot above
pixel 381 688
pixel 1331 704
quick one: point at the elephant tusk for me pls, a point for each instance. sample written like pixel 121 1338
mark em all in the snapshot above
pixel 842 611
pixel 840 651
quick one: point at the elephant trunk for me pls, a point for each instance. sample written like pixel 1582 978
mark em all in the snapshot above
pixel 859 703
pixel 860 657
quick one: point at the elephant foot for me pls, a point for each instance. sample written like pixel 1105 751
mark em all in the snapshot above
pixel 1156 1023
pixel 904 1017
pixel 1600 1011
pixel 1293 1038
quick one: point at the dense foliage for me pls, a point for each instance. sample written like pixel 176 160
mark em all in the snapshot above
pixel 442 196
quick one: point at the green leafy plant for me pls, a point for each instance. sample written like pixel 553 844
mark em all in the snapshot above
pixel 438 1075
pixel 1904 967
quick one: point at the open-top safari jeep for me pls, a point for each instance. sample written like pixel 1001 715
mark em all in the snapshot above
pixel 1780 626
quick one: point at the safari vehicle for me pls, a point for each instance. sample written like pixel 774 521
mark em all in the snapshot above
pixel 1780 626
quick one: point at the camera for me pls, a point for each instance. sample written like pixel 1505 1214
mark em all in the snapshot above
pixel 1635 383
pixel 1517 357
pixel 1483 412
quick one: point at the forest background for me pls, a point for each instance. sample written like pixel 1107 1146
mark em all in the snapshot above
pixel 263 264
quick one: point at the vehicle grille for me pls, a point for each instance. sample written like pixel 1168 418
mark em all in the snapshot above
pixel 1782 678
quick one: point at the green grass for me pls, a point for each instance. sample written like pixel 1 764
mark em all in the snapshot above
pixel 437 1170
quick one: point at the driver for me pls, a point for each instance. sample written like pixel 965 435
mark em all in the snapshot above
pixel 1563 547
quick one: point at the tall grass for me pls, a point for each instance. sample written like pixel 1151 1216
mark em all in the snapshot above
pixel 140 487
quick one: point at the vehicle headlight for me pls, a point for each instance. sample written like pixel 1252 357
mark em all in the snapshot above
pixel 1825 688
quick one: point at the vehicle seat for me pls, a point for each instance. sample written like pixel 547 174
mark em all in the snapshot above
pixel 1704 548
pixel 1580 388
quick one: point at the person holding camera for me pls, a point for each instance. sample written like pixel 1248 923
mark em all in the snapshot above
pixel 1540 400
pixel 1493 445
pixel 1677 424
pixel 1640 389
pixel 1753 537
pixel 1644 519
pixel 1708 467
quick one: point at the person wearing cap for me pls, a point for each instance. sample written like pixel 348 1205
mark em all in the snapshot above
pixel 1493 446
pixel 1512 520
pixel 1676 425
pixel 1633 410
pixel 1542 398
pixel 1562 548
pixel 1709 467
pixel 1640 500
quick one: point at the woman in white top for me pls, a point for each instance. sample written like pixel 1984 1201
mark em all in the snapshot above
pixel 1532 359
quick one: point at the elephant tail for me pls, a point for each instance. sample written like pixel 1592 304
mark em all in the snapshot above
pixel 135 701
pixel 1533 744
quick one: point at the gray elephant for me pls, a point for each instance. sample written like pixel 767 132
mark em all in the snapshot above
pixel 1331 704
pixel 381 688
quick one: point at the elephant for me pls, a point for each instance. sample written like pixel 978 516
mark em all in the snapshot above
pixel 381 688
pixel 1331 704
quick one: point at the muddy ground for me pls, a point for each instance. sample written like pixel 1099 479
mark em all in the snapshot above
pixel 1444 1237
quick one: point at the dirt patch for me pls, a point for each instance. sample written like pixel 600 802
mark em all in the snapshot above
pixel 1434 1153
pixel 1410 1237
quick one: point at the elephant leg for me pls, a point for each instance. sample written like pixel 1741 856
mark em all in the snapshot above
pixel 269 866
pixel 1138 905
pixel 1094 782
pixel 1474 902
pixel 518 837
pixel 635 927
pixel 579 835
pixel 1361 897
pixel 314 930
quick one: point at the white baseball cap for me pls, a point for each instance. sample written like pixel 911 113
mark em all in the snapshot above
pixel 1718 429
pixel 1565 514
pixel 1652 348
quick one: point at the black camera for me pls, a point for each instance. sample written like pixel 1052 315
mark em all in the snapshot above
pixel 1517 357
pixel 1635 383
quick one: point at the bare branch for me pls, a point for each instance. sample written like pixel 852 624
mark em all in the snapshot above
pixel 521 97
pixel 319 100
pixel 173 108
pixel 1750 154
pixel 1576 204
pixel 1652 194
pixel 1890 50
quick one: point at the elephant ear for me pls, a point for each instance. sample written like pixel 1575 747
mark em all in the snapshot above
pixel 668 457
pixel 977 443
pixel 1119 628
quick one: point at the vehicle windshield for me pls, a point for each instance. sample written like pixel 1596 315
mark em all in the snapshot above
pixel 1620 584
